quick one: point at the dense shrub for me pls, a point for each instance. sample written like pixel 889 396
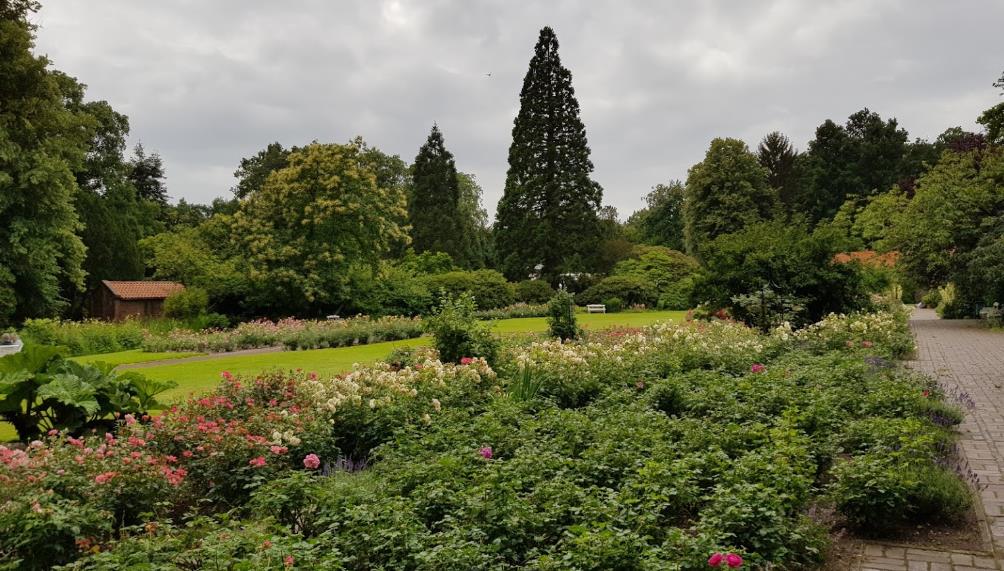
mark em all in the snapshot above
pixel 187 303
pixel 457 334
pixel 561 322
pixel 657 265
pixel 613 304
pixel 630 289
pixel 932 298
pixel 677 296
pixel 489 288
pixel 514 311
pixel 796 266
pixel 85 337
pixel 533 291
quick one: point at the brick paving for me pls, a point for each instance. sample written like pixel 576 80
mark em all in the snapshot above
pixel 961 355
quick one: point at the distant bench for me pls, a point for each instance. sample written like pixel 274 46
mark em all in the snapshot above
pixel 596 308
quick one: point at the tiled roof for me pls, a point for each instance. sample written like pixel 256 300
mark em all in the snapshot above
pixel 142 290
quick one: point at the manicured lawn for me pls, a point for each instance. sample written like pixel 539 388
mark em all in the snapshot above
pixel 590 321
pixel 132 356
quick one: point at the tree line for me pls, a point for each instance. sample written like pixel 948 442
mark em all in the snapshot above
pixel 346 227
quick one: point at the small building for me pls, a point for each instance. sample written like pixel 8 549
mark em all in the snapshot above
pixel 116 300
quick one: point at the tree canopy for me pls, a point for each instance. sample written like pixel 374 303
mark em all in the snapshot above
pixel 434 205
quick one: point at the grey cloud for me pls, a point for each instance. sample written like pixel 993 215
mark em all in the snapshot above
pixel 206 83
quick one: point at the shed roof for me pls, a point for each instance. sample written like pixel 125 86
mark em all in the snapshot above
pixel 142 289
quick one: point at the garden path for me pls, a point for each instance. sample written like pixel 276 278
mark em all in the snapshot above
pixel 968 358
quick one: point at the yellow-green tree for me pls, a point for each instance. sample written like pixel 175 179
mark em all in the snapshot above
pixel 313 219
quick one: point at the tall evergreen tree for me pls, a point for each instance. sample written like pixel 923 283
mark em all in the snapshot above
pixel 147 175
pixel 433 209
pixel 776 154
pixel 548 212
pixel 42 143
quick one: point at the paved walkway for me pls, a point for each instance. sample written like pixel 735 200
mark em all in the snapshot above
pixel 966 358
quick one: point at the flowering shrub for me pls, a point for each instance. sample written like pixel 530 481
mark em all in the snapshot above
pixel 701 444
pixel 291 333
pixel 514 311
pixel 883 332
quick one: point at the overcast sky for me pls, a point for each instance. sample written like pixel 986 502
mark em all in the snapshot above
pixel 205 83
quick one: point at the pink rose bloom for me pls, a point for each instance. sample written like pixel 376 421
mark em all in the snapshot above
pixel 311 462
pixel 104 477
pixel 53 432
pixel 257 462
pixel 716 559
pixel 278 449
pixel 866 344
pixel 466 360
pixel 486 452
pixel 288 561
pixel 757 368
pixel 733 560
pixel 226 375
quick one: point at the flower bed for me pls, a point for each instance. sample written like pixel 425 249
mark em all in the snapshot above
pixel 291 333
pixel 671 447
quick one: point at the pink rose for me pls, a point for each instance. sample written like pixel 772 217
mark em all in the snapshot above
pixel 257 462
pixel 716 559
pixel 733 560
pixel 466 360
pixel 866 344
pixel 486 452
pixel 288 561
pixel 311 462
pixel 757 368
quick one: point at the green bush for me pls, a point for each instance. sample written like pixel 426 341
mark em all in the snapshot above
pixel 457 333
pixel 514 311
pixel 85 337
pixel 188 303
pixel 932 298
pixel 533 291
pixel 489 288
pixel 631 290
pixel 678 295
pixel 561 321
pixel 658 266
pixel 613 304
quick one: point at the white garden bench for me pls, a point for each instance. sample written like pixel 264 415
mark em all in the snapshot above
pixel 596 308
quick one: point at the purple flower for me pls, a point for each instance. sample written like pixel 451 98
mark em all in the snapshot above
pixel 486 452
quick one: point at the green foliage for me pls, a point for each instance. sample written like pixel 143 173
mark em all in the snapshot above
pixel 548 212
pixel 782 162
pixel 253 171
pixel 456 331
pixel 434 204
pixel 932 298
pixel 313 219
pixel 561 322
pixel 631 290
pixel 725 192
pixel 188 303
pixel 41 391
pixel 796 267
pixel 41 143
pixel 533 291
pixel 85 337
pixel 489 288
pixel 613 304
pixel 660 223
pixel 678 296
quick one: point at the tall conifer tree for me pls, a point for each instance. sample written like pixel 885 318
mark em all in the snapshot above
pixel 548 212
pixel 434 208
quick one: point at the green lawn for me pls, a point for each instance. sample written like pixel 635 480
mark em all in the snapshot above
pixel 132 356
pixel 200 376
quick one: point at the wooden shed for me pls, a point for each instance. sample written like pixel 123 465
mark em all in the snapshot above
pixel 120 299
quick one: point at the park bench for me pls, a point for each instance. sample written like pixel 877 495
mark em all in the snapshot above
pixel 596 308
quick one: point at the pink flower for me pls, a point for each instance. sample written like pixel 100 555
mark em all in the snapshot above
pixel 278 449
pixel 130 419
pixel 925 394
pixel 866 344
pixel 187 453
pixel 716 559
pixel 486 452
pixel 288 561
pixel 757 368
pixel 226 375
pixel 850 344
pixel 257 462
pixel 53 432
pixel 466 360
pixel 311 462
pixel 266 544
pixel 104 477
pixel 733 560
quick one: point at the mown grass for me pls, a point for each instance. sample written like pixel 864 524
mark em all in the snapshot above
pixel 132 356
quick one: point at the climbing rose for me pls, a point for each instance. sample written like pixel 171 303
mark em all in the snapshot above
pixel 311 462
pixel 757 368
pixel 486 452
pixel 716 559
pixel 733 560
pixel 257 462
